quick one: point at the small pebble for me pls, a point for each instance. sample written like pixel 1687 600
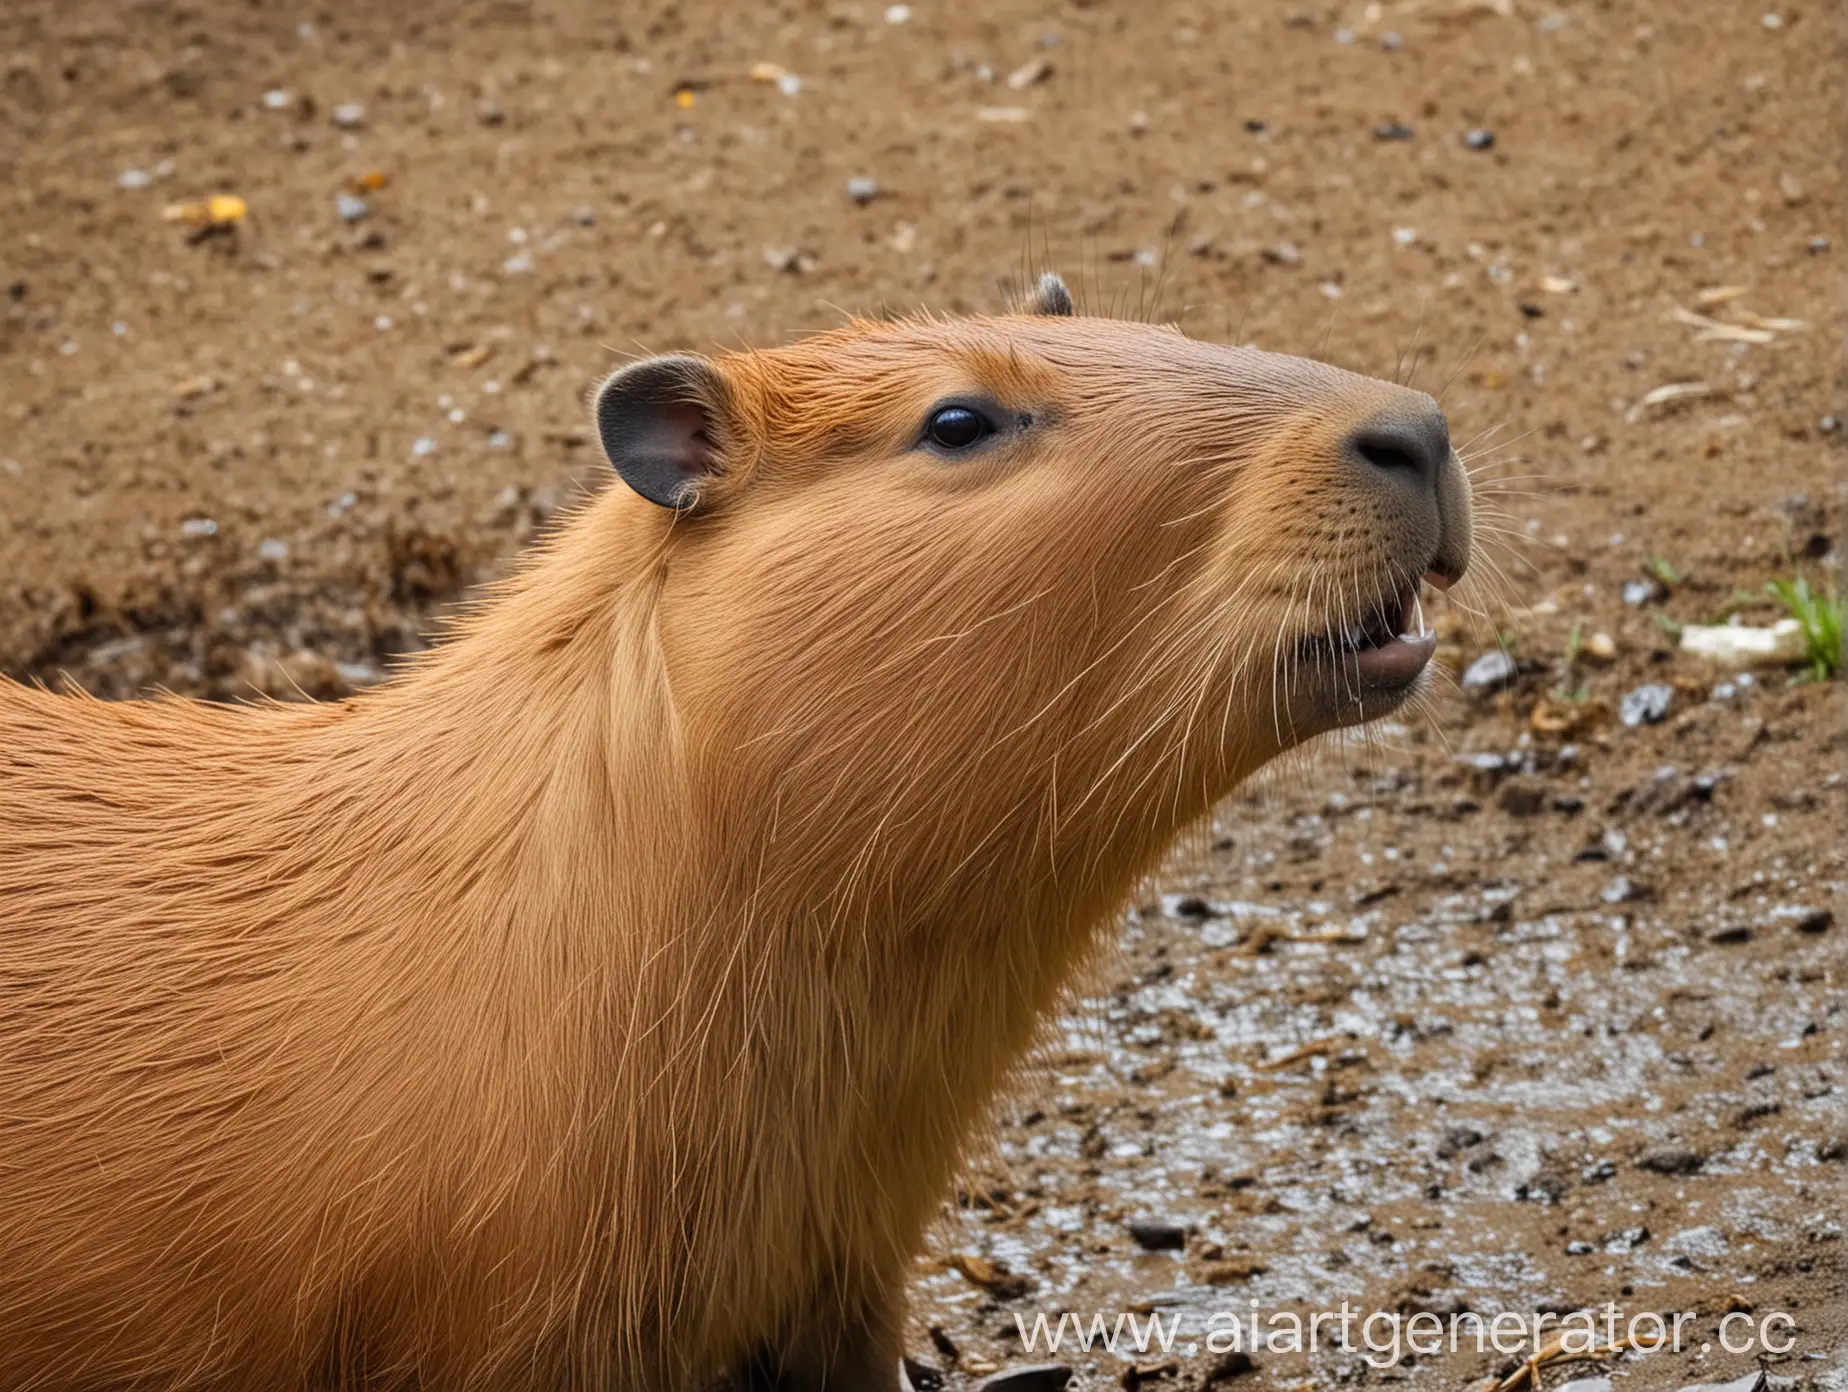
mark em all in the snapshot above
pixel 1521 797
pixel 1034 1377
pixel 1229 1368
pixel 1158 1234
pixel 1637 592
pixel 1481 138
pixel 276 99
pixel 198 527
pixel 862 190
pixel 1392 130
pixel 134 179
pixel 897 14
pixel 349 115
pixel 351 207
pixel 489 114
pixel 1672 1160
pixel 1754 1381
pixel 1492 669
pixel 1813 920
pixel 422 446
pixel 1646 705
pixel 1628 1240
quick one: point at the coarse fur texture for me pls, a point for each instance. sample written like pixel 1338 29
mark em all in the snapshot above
pixel 605 1002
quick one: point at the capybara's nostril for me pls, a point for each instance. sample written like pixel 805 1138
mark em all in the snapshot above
pixel 1411 442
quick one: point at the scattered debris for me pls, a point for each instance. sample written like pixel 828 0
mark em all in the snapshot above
pixel 1494 668
pixel 1158 1234
pixel 1033 71
pixel 1665 394
pixel 1231 1270
pixel 778 76
pixel 1742 645
pixel 1553 715
pixel 220 210
pixel 995 1277
pixel 1755 1381
pixel 1236 1364
pixel 1034 1377
pixel 1808 920
pixel 1315 1048
pixel 1527 1375
pixel 792 259
pixel 1672 1160
pixel 1646 705
pixel 1745 327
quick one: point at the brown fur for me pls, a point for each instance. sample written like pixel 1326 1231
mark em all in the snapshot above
pixel 606 1000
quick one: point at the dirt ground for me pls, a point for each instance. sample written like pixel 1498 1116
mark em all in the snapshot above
pixel 1517 1009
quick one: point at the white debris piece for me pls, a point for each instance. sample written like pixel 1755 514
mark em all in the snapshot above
pixel 1741 645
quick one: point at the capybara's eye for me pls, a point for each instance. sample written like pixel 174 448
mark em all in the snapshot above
pixel 957 427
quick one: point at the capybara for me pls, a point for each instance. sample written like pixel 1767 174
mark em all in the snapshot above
pixel 606 1000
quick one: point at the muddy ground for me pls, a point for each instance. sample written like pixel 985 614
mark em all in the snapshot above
pixel 1518 1009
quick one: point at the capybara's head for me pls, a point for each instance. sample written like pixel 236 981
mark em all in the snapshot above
pixel 938 573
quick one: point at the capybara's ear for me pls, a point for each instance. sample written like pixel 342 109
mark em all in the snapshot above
pixel 661 422
pixel 1050 296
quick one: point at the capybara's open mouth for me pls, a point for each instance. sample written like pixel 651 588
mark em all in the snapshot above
pixel 1384 649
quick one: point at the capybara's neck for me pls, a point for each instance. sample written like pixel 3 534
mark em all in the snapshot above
pixel 494 950
pixel 687 989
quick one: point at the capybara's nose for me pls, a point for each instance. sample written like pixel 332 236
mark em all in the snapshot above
pixel 1409 442
pixel 1406 448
